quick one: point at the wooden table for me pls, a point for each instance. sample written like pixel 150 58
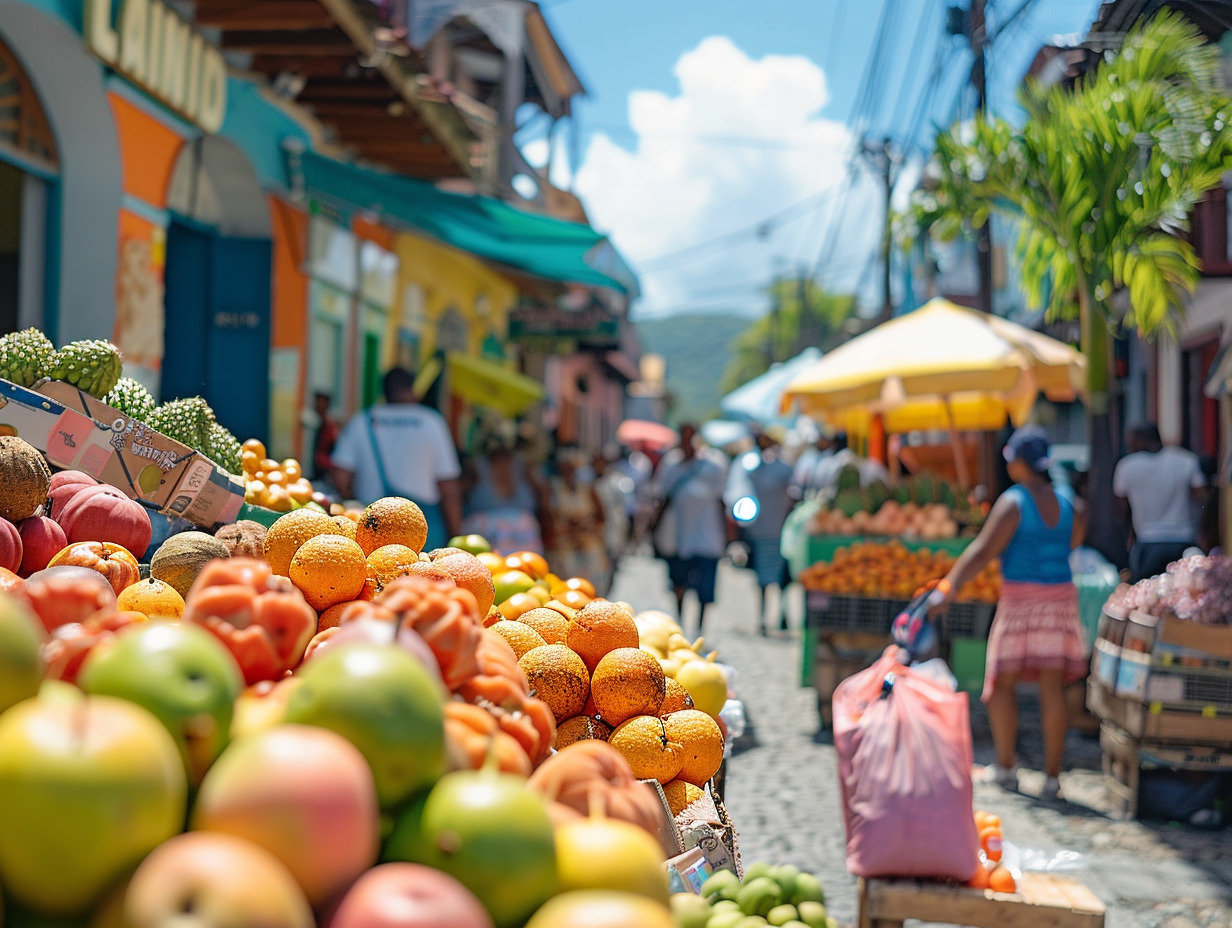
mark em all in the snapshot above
pixel 1043 900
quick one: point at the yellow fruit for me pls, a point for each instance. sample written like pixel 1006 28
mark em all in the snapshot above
pixel 601 909
pixel 328 569
pixel 289 532
pixel 606 853
pixel 300 491
pixel 558 677
pixel 680 795
pixel 706 685
pixel 250 462
pixel 580 728
pixel 254 446
pixel 645 745
pixel 344 526
pixel 552 627
pixel 701 744
pixel 390 561
pixel 599 628
pixel 392 520
pixel 627 682
pixel 675 697
pixel 521 638
pixel 291 468
pixel 154 598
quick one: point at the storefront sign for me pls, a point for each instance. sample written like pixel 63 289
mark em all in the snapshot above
pixel 151 45
pixel 548 322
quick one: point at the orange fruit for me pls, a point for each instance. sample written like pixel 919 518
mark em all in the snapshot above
pixel 329 569
pixel 582 585
pixel 154 598
pixel 675 697
pixel 529 562
pixel 255 446
pixel 558 677
pixel 521 638
pixel 700 744
pixel 627 682
pixel 680 795
pixel 469 573
pixel 517 604
pixel 289 532
pixel 392 520
pixel 580 728
pixel 1002 881
pixel 980 879
pixel 344 526
pixel 332 617
pixel 598 629
pixel 645 745
pixel 991 841
pixel 390 561
pixel 575 599
pixel 550 624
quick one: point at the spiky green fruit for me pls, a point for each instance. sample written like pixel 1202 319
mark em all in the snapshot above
pixel 92 365
pixel 131 398
pixel 225 450
pixel 187 421
pixel 25 357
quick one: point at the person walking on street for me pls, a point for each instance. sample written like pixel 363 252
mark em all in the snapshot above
pixel 1158 485
pixel 325 438
pixel 612 488
pixel 578 520
pixel 690 523
pixel 402 448
pixel 765 478
pixel 505 503
pixel 1036 633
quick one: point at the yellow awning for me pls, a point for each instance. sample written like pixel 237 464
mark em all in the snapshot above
pixel 487 384
pixel 942 366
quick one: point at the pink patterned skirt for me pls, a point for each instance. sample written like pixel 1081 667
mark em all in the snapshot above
pixel 1036 628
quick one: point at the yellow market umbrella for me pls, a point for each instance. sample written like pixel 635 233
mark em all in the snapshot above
pixel 943 366
pixel 491 386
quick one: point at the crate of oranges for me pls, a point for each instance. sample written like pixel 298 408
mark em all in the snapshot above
pixel 278 486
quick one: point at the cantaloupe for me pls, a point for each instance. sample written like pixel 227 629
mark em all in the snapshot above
pixel 182 557
pixel 25 479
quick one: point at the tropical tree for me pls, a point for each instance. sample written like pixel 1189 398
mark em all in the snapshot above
pixel 802 314
pixel 1101 179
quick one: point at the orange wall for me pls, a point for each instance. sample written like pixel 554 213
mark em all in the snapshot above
pixel 148 149
pixel 289 321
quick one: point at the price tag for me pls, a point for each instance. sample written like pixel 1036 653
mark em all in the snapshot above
pixel 1209 712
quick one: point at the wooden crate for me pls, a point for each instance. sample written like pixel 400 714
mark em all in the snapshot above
pixel 1125 756
pixel 1042 899
pixel 1157 723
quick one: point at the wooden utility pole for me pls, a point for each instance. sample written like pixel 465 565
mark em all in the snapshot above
pixel 881 157
pixel 979 80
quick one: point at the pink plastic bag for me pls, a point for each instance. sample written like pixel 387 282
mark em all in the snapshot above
pixel 905 771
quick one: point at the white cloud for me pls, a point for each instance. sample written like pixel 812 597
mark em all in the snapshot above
pixel 740 141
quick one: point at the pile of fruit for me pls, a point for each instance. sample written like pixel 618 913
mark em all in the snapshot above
pixel 277 485
pixel 990 874
pixel 324 724
pixel 1195 589
pixel 769 895
pixel 888 570
pixel 920 507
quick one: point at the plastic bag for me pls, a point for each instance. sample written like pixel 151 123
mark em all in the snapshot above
pixel 905 755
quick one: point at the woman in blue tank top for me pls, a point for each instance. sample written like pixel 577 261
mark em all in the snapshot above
pixel 1036 634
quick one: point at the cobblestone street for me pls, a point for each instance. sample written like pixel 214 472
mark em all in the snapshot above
pixel 783 795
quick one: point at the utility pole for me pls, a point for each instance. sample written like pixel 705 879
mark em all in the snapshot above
pixel 979 80
pixel 881 157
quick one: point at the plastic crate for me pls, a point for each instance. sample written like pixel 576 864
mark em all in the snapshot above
pixel 1190 686
pixel 966 620
pixel 852 613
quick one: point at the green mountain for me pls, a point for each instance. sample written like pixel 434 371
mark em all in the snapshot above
pixel 696 347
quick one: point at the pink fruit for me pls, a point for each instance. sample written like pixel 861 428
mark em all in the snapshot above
pixel 65 595
pixel 10 546
pixel 409 896
pixel 61 495
pixel 60 478
pixel 302 793
pixel 41 540
pixel 103 513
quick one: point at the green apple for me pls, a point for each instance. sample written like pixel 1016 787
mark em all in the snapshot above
pixel 690 910
pixel 509 582
pixel 179 672
pixel 475 544
pixel 384 702
pixel 812 913
pixel 21 666
pixel 88 787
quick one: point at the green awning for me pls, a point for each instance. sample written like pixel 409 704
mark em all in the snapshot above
pixel 485 227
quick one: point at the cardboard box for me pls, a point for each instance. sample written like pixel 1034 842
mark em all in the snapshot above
pixel 77 432
pixel 1215 640
pixel 1157 723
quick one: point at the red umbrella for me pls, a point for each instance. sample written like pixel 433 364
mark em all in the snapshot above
pixel 648 434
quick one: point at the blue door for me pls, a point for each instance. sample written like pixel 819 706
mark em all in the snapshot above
pixel 218 325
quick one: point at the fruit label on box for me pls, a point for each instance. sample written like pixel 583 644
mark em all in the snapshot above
pixel 691 869
pixel 702 836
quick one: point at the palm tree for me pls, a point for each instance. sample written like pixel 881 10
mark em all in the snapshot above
pixel 1101 180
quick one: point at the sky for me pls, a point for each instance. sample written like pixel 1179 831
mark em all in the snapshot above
pixel 716 141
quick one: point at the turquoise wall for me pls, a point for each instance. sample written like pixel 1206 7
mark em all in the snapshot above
pixel 67 10
pixel 260 129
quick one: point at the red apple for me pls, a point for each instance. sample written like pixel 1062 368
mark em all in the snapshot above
pixel 41 540
pixel 116 563
pixel 10 546
pixel 212 880
pixel 103 513
pixel 62 595
pixel 61 495
pixel 88 786
pixel 71 644
pixel 305 795
pixel 409 896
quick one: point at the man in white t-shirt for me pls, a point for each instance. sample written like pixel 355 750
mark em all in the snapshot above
pixel 402 449
pixel 1158 485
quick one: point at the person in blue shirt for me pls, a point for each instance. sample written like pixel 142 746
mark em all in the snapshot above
pixel 1036 633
